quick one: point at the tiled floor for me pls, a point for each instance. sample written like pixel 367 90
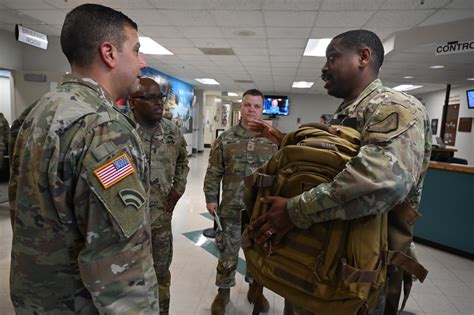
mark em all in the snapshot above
pixel 447 290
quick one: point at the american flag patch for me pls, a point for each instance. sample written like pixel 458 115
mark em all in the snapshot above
pixel 114 171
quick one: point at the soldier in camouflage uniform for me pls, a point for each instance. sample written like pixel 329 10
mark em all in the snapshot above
pixel 4 133
pixel 14 130
pixel 165 148
pixel 395 145
pixel 82 238
pixel 235 154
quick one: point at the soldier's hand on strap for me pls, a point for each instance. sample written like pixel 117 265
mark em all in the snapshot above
pixel 171 201
pixel 265 130
pixel 275 223
pixel 211 207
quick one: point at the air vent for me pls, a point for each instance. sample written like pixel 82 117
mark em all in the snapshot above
pixel 217 51
pixel 243 81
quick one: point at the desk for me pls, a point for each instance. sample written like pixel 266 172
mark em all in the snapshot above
pixel 446 208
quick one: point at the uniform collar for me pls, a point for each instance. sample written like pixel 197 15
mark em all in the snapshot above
pixel 377 83
pixel 241 131
pixel 90 83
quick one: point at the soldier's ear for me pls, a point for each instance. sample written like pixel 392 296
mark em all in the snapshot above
pixel 108 54
pixel 365 55
pixel 131 103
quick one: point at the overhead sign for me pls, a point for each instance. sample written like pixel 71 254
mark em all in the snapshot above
pixel 455 47
pixel 33 38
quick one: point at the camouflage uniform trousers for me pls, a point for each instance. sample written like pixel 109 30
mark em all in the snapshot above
pixel 228 244
pixel 162 240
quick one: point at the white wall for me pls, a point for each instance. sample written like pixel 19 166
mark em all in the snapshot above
pixel 308 107
pixel 11 51
pixel 5 97
pixel 434 103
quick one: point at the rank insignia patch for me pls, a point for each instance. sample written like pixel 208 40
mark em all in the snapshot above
pixel 114 171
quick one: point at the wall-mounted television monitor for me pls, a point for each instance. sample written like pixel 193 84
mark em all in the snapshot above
pixel 470 99
pixel 276 105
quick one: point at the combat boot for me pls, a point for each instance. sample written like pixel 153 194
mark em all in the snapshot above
pixel 221 300
pixel 255 296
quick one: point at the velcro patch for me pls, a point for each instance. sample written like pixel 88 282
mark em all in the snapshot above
pixel 114 171
pixel 386 125
pixel 131 197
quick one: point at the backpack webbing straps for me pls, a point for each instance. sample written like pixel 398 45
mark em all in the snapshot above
pixel 407 263
pixel 353 275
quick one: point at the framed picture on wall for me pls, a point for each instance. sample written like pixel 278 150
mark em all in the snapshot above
pixel 434 126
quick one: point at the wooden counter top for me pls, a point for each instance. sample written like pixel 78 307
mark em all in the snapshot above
pixel 452 167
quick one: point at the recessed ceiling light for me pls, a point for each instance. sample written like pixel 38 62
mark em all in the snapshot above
pixel 302 84
pixel 407 87
pixel 207 81
pixel 149 47
pixel 232 94
pixel 408 77
pixel 470 79
pixel 437 67
pixel 316 47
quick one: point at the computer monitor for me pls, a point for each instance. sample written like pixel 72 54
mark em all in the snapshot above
pixel 470 99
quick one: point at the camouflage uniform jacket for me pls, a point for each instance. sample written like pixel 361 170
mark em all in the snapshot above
pixel 390 167
pixel 165 149
pixel 235 154
pixel 81 242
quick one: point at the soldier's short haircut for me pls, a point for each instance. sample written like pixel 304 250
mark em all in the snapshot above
pixel 254 92
pixel 358 39
pixel 87 26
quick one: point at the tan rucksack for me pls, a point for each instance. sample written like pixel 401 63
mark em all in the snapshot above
pixel 334 267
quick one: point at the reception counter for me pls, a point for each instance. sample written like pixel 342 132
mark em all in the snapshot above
pixel 447 208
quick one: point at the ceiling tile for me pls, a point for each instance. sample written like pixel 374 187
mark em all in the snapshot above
pixel 248 43
pixel 171 43
pixel 327 32
pixel 47 16
pixel 291 5
pixel 412 5
pixel 26 4
pixel 188 17
pixel 236 32
pixel 160 31
pixel 148 17
pixel 193 32
pixel 186 51
pixel 286 43
pixel 288 32
pixel 450 15
pixel 237 18
pixel 460 4
pixel 350 5
pixel 244 51
pixel 286 52
pixel 398 18
pixel 211 42
pixel 289 18
pixel 345 19
pixel 281 59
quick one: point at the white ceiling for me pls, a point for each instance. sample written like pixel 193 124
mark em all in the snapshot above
pixel 272 57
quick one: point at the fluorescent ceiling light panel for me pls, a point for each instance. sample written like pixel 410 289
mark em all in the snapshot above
pixel 232 94
pixel 316 47
pixel 437 67
pixel 407 87
pixel 149 47
pixel 470 79
pixel 207 81
pixel 302 84
pixel 408 77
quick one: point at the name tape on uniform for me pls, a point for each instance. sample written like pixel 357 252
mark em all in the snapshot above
pixel 114 171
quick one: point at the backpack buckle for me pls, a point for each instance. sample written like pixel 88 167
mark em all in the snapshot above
pixel 264 180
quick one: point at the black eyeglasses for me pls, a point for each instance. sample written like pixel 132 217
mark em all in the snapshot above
pixel 154 98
